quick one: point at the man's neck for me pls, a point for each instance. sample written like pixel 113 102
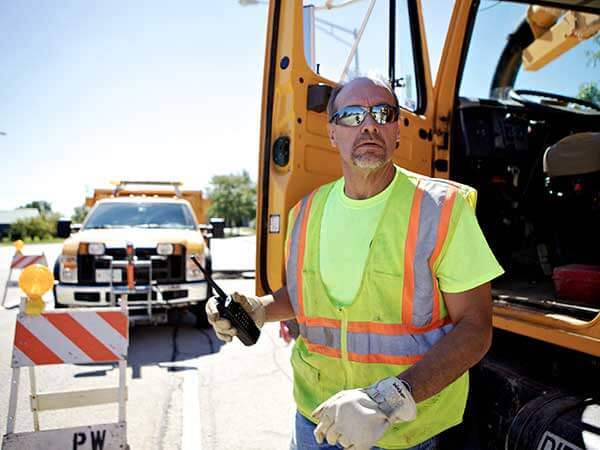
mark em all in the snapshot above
pixel 361 184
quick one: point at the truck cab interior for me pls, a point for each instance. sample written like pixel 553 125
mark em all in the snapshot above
pixel 532 150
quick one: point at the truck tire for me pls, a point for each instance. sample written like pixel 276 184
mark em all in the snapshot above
pixel 199 312
pixel 199 309
pixel 208 267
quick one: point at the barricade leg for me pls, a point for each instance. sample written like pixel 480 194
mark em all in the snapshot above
pixel 6 286
pixel 12 402
pixel 122 390
pixel 33 388
pixel 123 370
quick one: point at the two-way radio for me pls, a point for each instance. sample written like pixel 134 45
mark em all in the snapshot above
pixel 247 331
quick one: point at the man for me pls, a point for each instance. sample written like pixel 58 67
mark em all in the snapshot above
pixel 388 277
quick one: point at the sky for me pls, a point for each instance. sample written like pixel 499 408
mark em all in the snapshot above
pixel 93 91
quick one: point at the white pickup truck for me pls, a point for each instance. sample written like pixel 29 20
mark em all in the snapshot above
pixel 164 233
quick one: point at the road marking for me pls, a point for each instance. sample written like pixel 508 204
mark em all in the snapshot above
pixel 191 438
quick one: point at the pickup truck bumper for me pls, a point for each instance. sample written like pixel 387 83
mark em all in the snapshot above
pixel 163 297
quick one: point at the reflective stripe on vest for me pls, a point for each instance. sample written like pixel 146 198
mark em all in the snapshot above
pixel 373 342
pixel 427 229
pixel 393 349
pixel 322 338
pixel 296 256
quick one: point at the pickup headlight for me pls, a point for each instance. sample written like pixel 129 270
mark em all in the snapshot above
pixel 164 249
pixel 192 273
pixel 96 248
pixel 68 269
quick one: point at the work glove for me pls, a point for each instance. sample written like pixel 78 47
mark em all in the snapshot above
pixel 358 418
pixel 223 328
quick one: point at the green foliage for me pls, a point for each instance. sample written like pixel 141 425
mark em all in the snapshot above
pixel 42 206
pixel 79 214
pixel 590 92
pixel 41 227
pixel 233 198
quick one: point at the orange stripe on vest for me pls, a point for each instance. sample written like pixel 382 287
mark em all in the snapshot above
pixel 384 359
pixel 323 349
pixel 320 322
pixel 394 329
pixel 409 257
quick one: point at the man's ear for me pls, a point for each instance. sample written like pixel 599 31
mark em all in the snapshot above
pixel 331 133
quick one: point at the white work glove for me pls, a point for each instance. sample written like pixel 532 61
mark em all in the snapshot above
pixel 357 418
pixel 223 328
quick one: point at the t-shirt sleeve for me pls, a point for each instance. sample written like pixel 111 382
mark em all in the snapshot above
pixel 466 260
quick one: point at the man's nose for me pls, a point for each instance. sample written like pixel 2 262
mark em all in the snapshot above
pixel 369 125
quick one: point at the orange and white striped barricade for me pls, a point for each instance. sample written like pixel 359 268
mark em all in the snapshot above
pixel 20 262
pixel 89 335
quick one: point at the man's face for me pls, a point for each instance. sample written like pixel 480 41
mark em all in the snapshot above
pixel 368 146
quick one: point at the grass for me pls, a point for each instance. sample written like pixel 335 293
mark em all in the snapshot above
pixel 6 242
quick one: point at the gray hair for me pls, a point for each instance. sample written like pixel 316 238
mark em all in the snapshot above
pixel 376 79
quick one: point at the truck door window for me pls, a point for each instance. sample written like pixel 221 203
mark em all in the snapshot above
pixel 436 17
pixel 405 78
pixel 337 29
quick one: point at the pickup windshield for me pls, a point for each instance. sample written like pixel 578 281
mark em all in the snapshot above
pixel 140 215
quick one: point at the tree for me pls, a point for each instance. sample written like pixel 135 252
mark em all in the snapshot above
pixel 41 227
pixel 233 198
pixel 79 214
pixel 590 92
pixel 42 206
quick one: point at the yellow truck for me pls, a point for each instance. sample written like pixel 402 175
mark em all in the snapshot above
pixel 507 102
pixel 164 223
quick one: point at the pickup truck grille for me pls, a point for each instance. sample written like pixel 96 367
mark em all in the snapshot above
pixel 169 270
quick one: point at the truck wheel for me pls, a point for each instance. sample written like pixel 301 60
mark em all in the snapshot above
pixel 208 267
pixel 56 271
pixel 200 314
pixel 199 309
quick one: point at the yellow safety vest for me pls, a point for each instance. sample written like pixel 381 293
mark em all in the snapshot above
pixel 398 313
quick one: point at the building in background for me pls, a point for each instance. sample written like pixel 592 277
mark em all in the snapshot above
pixel 7 218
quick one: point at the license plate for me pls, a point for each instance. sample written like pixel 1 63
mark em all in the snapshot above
pixel 103 276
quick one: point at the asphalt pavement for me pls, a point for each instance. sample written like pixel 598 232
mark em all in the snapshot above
pixel 185 389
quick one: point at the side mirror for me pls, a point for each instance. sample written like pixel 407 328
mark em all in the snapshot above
pixel 75 227
pixel 63 228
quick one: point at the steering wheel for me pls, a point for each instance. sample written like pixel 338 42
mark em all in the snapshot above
pixel 559 103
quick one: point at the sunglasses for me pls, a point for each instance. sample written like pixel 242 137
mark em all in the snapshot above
pixel 354 115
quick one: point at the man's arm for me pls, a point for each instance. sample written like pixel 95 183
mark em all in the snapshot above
pixel 278 306
pixel 462 348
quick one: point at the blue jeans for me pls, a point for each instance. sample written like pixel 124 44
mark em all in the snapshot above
pixel 303 438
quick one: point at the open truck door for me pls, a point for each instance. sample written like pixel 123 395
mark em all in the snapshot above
pixel 512 111
pixel 385 36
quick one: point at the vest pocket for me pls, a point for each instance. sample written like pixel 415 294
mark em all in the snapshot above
pixel 385 290
pixel 308 391
pixel 302 368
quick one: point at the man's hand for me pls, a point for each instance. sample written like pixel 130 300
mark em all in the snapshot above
pixel 350 418
pixel 357 418
pixel 223 328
